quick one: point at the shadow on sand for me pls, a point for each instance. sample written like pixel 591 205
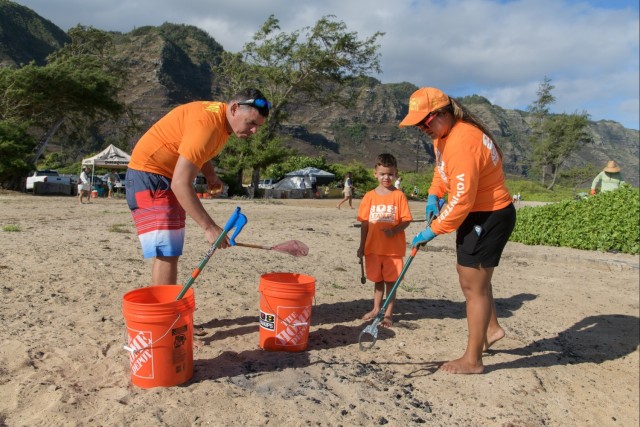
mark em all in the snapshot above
pixel 595 339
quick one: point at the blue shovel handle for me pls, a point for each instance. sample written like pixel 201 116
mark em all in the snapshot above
pixel 237 220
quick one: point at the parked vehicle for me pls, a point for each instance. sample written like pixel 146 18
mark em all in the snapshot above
pixel 120 179
pixel 267 183
pixel 46 176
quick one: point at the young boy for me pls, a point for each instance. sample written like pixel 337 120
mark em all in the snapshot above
pixel 384 213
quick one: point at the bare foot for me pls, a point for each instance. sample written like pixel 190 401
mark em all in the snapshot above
pixel 371 315
pixel 199 331
pixel 386 322
pixel 462 366
pixel 493 337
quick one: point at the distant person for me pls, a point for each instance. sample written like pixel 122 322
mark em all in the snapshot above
pixel 609 179
pixel 414 193
pixel 84 185
pixel 398 183
pixel 468 169
pixel 166 160
pixel 111 182
pixel 384 213
pixel 314 188
pixel 347 191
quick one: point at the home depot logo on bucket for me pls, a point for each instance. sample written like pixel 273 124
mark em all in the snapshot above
pixel 293 325
pixel 141 358
pixel 285 310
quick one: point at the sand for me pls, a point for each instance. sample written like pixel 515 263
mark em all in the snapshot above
pixel 570 356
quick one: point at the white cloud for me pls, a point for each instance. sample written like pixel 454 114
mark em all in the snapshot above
pixel 501 49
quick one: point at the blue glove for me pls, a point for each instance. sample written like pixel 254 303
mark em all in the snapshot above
pixel 423 237
pixel 433 206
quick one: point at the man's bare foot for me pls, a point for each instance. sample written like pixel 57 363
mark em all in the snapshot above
pixel 386 322
pixel 371 315
pixel 493 337
pixel 461 366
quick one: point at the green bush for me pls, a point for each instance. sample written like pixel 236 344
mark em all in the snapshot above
pixel 605 222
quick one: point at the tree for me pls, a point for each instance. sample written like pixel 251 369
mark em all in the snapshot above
pixel 555 137
pixel 540 111
pixel 312 64
pixel 564 134
pixel 78 86
pixel 15 146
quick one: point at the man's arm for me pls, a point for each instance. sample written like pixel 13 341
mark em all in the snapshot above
pixel 214 183
pixel 181 185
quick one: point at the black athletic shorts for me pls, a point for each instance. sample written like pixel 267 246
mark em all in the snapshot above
pixel 482 237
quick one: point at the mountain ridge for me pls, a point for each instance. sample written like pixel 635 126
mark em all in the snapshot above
pixel 173 63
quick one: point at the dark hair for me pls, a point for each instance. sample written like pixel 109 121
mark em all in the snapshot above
pixel 251 93
pixel 460 112
pixel 386 160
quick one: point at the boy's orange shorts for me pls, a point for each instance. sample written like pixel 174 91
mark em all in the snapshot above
pixel 383 268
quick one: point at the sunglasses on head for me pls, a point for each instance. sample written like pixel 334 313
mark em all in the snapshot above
pixel 425 123
pixel 256 103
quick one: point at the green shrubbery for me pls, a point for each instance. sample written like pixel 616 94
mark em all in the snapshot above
pixel 605 222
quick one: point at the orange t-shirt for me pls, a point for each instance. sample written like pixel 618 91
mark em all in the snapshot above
pixel 384 212
pixel 469 169
pixel 196 131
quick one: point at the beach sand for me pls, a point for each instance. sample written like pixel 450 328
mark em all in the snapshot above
pixel 570 356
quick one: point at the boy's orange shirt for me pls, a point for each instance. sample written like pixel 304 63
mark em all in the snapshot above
pixel 384 212
pixel 196 131
pixel 469 170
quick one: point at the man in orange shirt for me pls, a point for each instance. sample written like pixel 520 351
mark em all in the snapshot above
pixel 469 170
pixel 165 162
pixel 384 213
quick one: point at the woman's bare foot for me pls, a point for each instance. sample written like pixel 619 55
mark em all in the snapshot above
pixel 386 322
pixel 493 337
pixel 371 315
pixel 462 366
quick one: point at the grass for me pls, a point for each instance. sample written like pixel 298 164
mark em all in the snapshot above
pixel 535 192
pixel 119 228
pixel 11 227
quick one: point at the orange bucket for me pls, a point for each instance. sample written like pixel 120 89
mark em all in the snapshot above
pixel 285 310
pixel 159 335
pixel 94 194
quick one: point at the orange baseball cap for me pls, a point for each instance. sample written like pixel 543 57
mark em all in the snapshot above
pixel 422 102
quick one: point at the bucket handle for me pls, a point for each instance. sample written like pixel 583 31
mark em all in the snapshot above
pixel 136 351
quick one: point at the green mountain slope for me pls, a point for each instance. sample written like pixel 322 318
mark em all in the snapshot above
pixel 172 64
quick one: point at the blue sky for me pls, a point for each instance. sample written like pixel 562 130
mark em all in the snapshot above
pixel 501 50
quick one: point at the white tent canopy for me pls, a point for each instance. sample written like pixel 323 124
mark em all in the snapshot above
pixel 302 178
pixel 320 176
pixel 311 171
pixel 110 157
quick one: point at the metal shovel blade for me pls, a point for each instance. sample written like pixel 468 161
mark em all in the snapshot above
pixel 369 335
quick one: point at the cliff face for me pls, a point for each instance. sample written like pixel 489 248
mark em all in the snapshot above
pixel 172 64
pixel 25 36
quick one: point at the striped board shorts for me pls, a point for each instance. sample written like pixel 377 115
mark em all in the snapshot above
pixel 159 218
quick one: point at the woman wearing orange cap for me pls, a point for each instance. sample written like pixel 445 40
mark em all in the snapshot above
pixel 469 170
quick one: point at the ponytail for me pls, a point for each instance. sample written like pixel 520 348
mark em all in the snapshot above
pixel 460 112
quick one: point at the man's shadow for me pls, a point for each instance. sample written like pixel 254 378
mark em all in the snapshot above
pixel 594 339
